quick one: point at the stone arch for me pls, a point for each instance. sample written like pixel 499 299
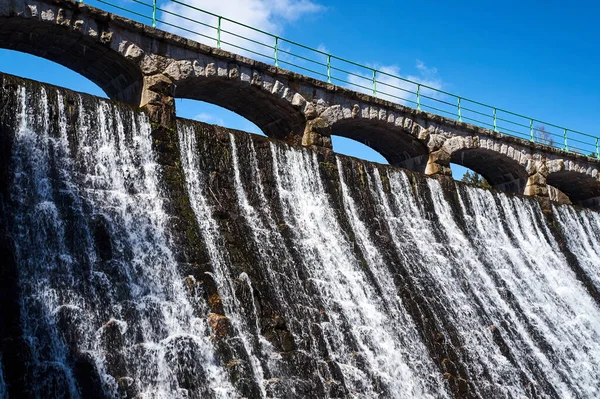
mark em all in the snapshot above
pixel 580 182
pixel 264 99
pixel 504 167
pixel 398 138
pixel 80 42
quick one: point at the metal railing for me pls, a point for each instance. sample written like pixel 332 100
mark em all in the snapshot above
pixel 222 32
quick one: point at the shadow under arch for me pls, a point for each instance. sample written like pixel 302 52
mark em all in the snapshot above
pixel 397 146
pixel 582 189
pixel 120 78
pixel 273 115
pixel 501 172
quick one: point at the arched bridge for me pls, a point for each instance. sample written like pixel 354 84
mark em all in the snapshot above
pixel 147 67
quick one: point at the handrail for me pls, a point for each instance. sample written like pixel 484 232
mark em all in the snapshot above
pixel 294 54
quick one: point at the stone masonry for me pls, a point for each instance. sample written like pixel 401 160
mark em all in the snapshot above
pixel 149 68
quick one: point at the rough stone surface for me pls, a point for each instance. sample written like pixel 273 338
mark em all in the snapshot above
pixel 147 67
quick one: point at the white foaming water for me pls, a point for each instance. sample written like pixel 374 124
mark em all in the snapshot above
pixel 124 307
pixel 507 275
pixel 100 285
pixel 352 305
pixel 3 390
pixel 411 345
pixel 435 265
pixel 557 320
pixel 580 229
pixel 297 307
pixel 198 190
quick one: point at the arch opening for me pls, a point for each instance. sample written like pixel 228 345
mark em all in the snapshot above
pixel 396 146
pixel 356 149
pixel 501 172
pixel 32 67
pixel 118 77
pixel 581 189
pixel 466 175
pixel 273 115
pixel 214 115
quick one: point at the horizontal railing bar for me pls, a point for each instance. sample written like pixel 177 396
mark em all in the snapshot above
pixel 566 133
pixel 184 29
pixel 476 112
pixel 351 73
pixel 248 39
pixel 250 51
pixel 186 18
pixel 437 109
pixel 301 67
pixel 224 18
pixel 478 121
pixel 303 58
pixel 125 9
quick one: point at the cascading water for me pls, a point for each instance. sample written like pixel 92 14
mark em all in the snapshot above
pixel 311 275
pixel 100 289
pixel 552 323
pixel 3 391
pixel 209 228
pixel 503 278
pixel 581 229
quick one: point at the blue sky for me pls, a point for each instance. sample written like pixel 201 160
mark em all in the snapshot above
pixel 538 58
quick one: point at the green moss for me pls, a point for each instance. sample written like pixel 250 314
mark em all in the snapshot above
pixel 329 167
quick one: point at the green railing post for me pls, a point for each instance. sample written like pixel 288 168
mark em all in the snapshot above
pixel 277 51
pixel 495 122
pixel 153 13
pixel 374 83
pixel 532 137
pixel 219 33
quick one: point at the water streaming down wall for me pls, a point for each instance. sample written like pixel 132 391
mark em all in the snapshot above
pixel 581 229
pixel 3 391
pixel 315 275
pixel 103 309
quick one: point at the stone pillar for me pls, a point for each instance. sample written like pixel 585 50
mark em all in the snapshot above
pixel 317 132
pixel 536 182
pixel 157 98
pixel 438 164
pixel 536 186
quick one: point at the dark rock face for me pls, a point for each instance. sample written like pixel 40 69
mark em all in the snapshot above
pixel 201 262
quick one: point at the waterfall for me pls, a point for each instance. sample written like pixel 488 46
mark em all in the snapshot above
pixel 3 391
pixel 581 228
pixel 198 191
pixel 298 273
pixel 352 304
pixel 557 322
pixel 100 287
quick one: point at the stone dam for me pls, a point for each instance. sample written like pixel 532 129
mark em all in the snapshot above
pixel 151 257
pixel 150 68
pixel 200 262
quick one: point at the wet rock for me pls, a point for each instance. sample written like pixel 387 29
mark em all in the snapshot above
pixel 87 376
pixel 219 324
pixel 127 388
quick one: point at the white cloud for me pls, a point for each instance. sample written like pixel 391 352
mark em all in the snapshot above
pixel 267 15
pixel 322 48
pixel 391 86
pixel 209 118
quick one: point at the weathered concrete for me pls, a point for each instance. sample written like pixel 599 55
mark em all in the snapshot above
pixel 147 67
